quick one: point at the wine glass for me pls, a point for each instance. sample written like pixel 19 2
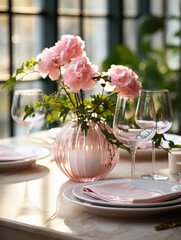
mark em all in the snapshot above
pixel 134 122
pixel 22 98
pixel 164 116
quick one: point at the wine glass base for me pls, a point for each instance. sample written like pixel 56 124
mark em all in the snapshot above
pixel 154 176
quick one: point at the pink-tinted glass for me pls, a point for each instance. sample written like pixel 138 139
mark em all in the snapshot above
pixel 85 158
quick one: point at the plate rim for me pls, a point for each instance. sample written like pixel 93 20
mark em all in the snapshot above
pixel 20 163
pixel 140 205
pixel 116 210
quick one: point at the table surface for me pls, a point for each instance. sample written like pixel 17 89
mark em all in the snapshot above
pixel 32 205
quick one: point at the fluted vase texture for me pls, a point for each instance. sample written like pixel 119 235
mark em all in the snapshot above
pixel 85 158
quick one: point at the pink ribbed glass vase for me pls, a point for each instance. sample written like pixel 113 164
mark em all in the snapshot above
pixel 85 158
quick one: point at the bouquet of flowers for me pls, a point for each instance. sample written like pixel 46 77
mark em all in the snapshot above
pixel 67 64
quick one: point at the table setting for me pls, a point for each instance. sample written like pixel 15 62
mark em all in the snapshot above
pixel 16 157
pixel 85 148
pixel 130 203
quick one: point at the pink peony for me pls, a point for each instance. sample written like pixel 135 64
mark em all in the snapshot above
pixel 78 74
pixel 68 48
pixel 46 66
pixel 124 79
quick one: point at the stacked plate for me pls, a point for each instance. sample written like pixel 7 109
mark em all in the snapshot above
pixel 16 157
pixel 76 195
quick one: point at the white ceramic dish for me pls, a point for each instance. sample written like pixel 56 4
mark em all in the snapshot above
pixel 147 152
pixel 117 211
pixel 40 153
pixel 148 185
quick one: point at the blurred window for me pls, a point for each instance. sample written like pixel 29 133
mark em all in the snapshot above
pixel 26 27
pixel 21 34
pixel 89 19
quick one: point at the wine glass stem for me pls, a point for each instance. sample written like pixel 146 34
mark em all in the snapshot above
pixel 133 153
pixel 153 158
pixel 27 132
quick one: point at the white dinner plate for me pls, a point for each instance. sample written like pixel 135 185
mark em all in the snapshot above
pixel 147 152
pixel 117 211
pixel 148 185
pixel 38 152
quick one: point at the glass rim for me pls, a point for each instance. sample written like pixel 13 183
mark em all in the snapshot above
pixel 133 94
pixel 128 94
pixel 154 90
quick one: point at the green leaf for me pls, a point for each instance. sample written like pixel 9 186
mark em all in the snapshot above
pixel 171 143
pixel 113 140
pixel 148 24
pixel 84 127
pixel 10 83
pixel 158 138
pixel 28 111
pixel 20 70
pixel 53 116
pixel 30 63
pixel 113 97
pixel 49 118
pixel 175 17
pixel 175 48
pixel 178 34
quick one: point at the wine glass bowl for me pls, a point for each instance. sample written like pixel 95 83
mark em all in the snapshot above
pixel 134 122
pixel 164 117
pixel 23 98
pixel 163 109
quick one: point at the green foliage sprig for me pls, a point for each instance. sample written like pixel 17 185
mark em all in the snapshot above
pixel 158 138
pixel 20 74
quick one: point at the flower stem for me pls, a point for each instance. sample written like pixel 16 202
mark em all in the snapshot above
pixel 102 92
pixel 66 92
pixel 98 104
pixel 82 96
pixel 77 99
pixel 111 93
